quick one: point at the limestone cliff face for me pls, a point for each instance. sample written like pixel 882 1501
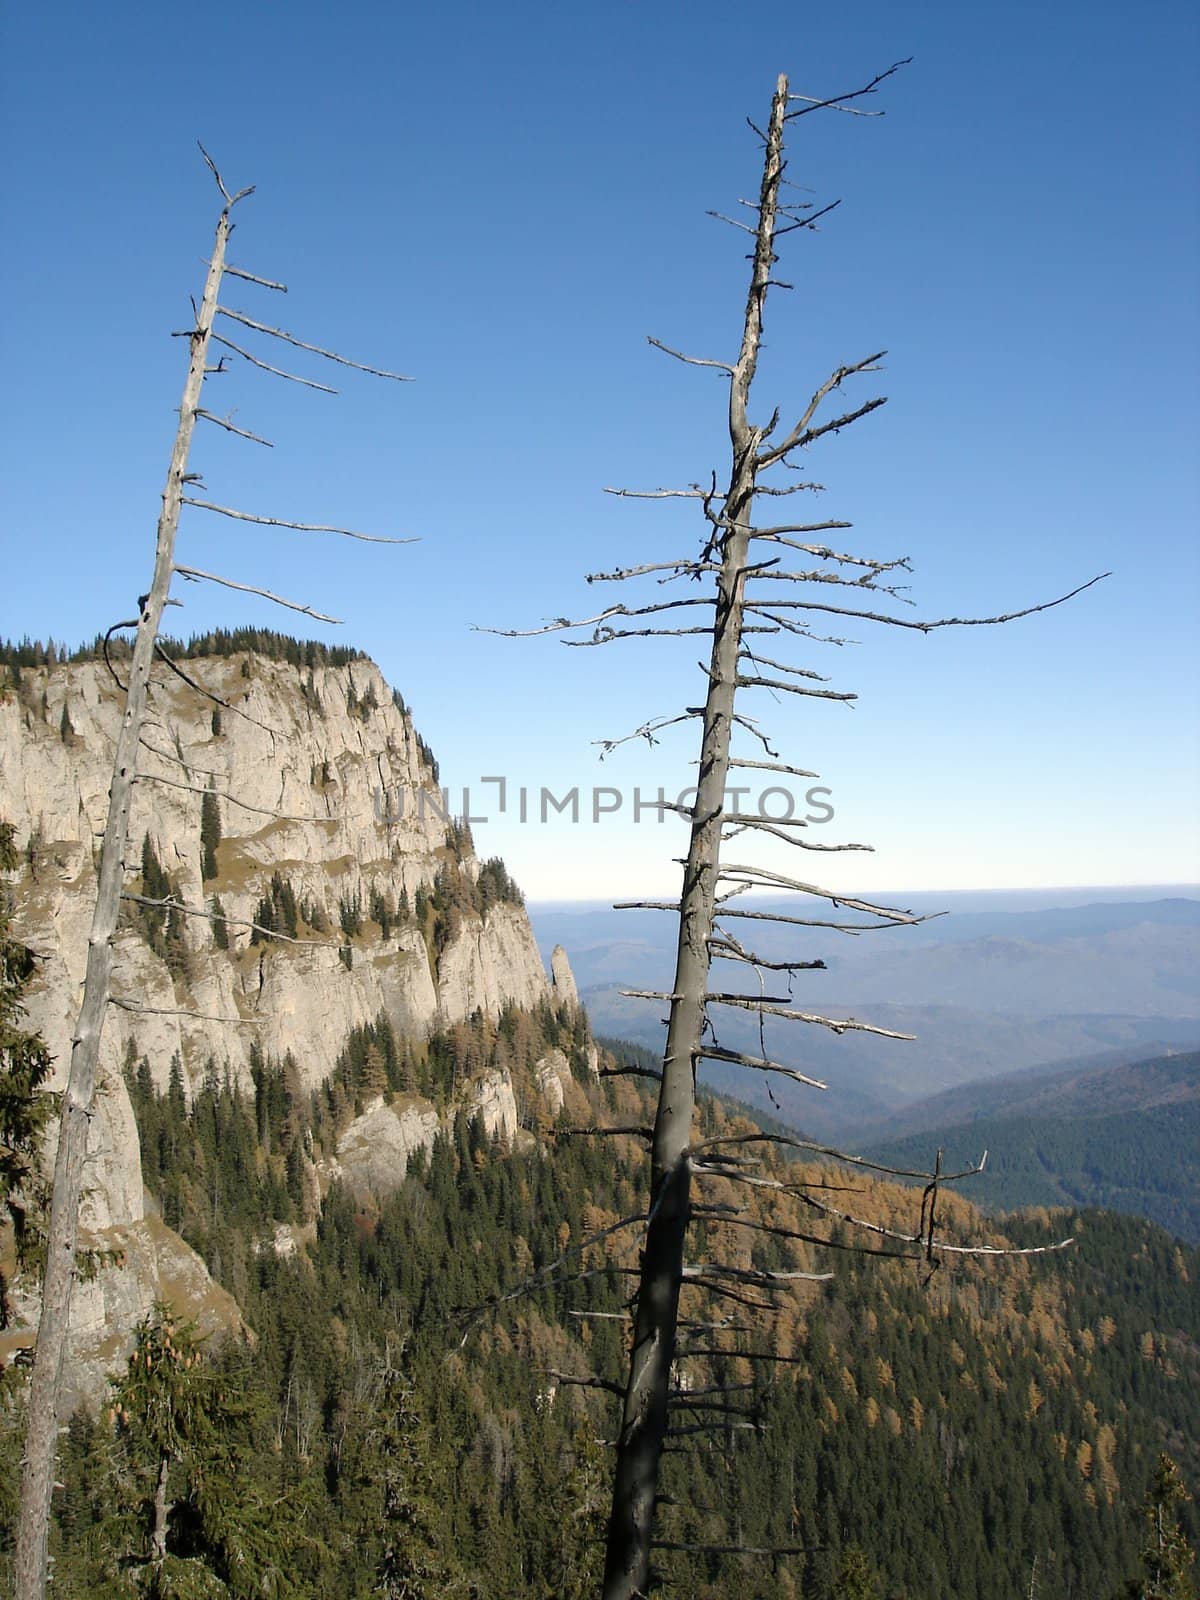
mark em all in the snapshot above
pixel 322 782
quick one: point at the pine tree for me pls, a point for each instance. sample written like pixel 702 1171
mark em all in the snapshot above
pixel 210 834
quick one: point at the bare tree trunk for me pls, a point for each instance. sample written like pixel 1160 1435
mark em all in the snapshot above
pixel 644 1418
pixel 46 1386
pixel 158 1542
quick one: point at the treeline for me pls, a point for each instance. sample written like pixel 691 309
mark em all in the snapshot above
pixel 264 642
pixel 929 1438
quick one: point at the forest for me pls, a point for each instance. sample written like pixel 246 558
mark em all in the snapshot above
pixel 387 1424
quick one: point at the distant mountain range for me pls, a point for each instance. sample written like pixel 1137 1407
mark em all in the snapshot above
pixel 1122 1136
pixel 1000 984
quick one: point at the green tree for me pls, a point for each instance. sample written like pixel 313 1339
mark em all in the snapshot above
pixel 210 834
pixel 192 1514
pixel 391 1475
pixel 1167 1558
pixel 856 1577
pixel 24 1111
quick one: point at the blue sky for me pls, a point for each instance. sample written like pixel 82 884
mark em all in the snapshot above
pixel 503 201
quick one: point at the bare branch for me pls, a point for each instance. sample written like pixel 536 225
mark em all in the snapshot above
pixel 927 1243
pixel 725 947
pixel 809 435
pixel 733 223
pixel 194 574
pixel 763 877
pixel 252 277
pixel 773 766
pixel 170 903
pixel 278 372
pixel 562 624
pixel 800 629
pixel 782 666
pixel 838 102
pixel 283 522
pixel 211 165
pixel 174 1011
pixel 591 1382
pixel 546 1274
pixel 823 552
pixel 208 694
pixel 834 1024
pixel 742 682
pixel 630 1130
pixel 802 433
pixel 759 1064
pixel 221 794
pixel 778 830
pixel 224 422
pixel 692 361
pixel 610 635
pixel 646 731
pixel 765 607
pixel 808 1145
pixel 300 344
pixel 753 1275
pixel 693 493
pixel 685 566
pixel 631 1072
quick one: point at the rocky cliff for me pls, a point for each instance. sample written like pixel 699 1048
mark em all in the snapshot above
pixel 299 798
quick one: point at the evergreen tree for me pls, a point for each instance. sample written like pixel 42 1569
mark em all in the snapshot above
pixel 24 1111
pixel 1167 1558
pixel 210 834
pixel 189 1519
pixel 391 1478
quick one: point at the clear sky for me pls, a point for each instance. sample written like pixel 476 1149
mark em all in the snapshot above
pixel 504 200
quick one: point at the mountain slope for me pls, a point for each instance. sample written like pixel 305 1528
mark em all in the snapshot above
pixel 952 1427
pixel 296 795
pixel 1123 1137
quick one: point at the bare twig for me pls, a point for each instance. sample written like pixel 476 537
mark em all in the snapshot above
pixel 194 574
pixel 278 372
pixel 224 422
pixel 252 277
pixel 284 522
pixel 300 344
pixel 692 361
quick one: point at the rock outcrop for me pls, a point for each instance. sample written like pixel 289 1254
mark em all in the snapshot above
pixel 321 785
pixel 563 979
pixel 374 1152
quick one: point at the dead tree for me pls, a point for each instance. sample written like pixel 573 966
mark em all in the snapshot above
pixel 78 1099
pixel 744 589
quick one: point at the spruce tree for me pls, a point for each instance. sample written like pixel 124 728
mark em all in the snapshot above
pixel 210 835
pixel 1167 1558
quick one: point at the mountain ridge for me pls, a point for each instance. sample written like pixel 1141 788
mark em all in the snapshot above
pixel 270 799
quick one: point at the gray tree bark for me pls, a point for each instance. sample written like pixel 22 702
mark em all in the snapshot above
pixel 46 1385
pixel 644 1417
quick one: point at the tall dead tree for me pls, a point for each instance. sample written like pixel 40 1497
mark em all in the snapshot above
pixel 79 1097
pixel 750 593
